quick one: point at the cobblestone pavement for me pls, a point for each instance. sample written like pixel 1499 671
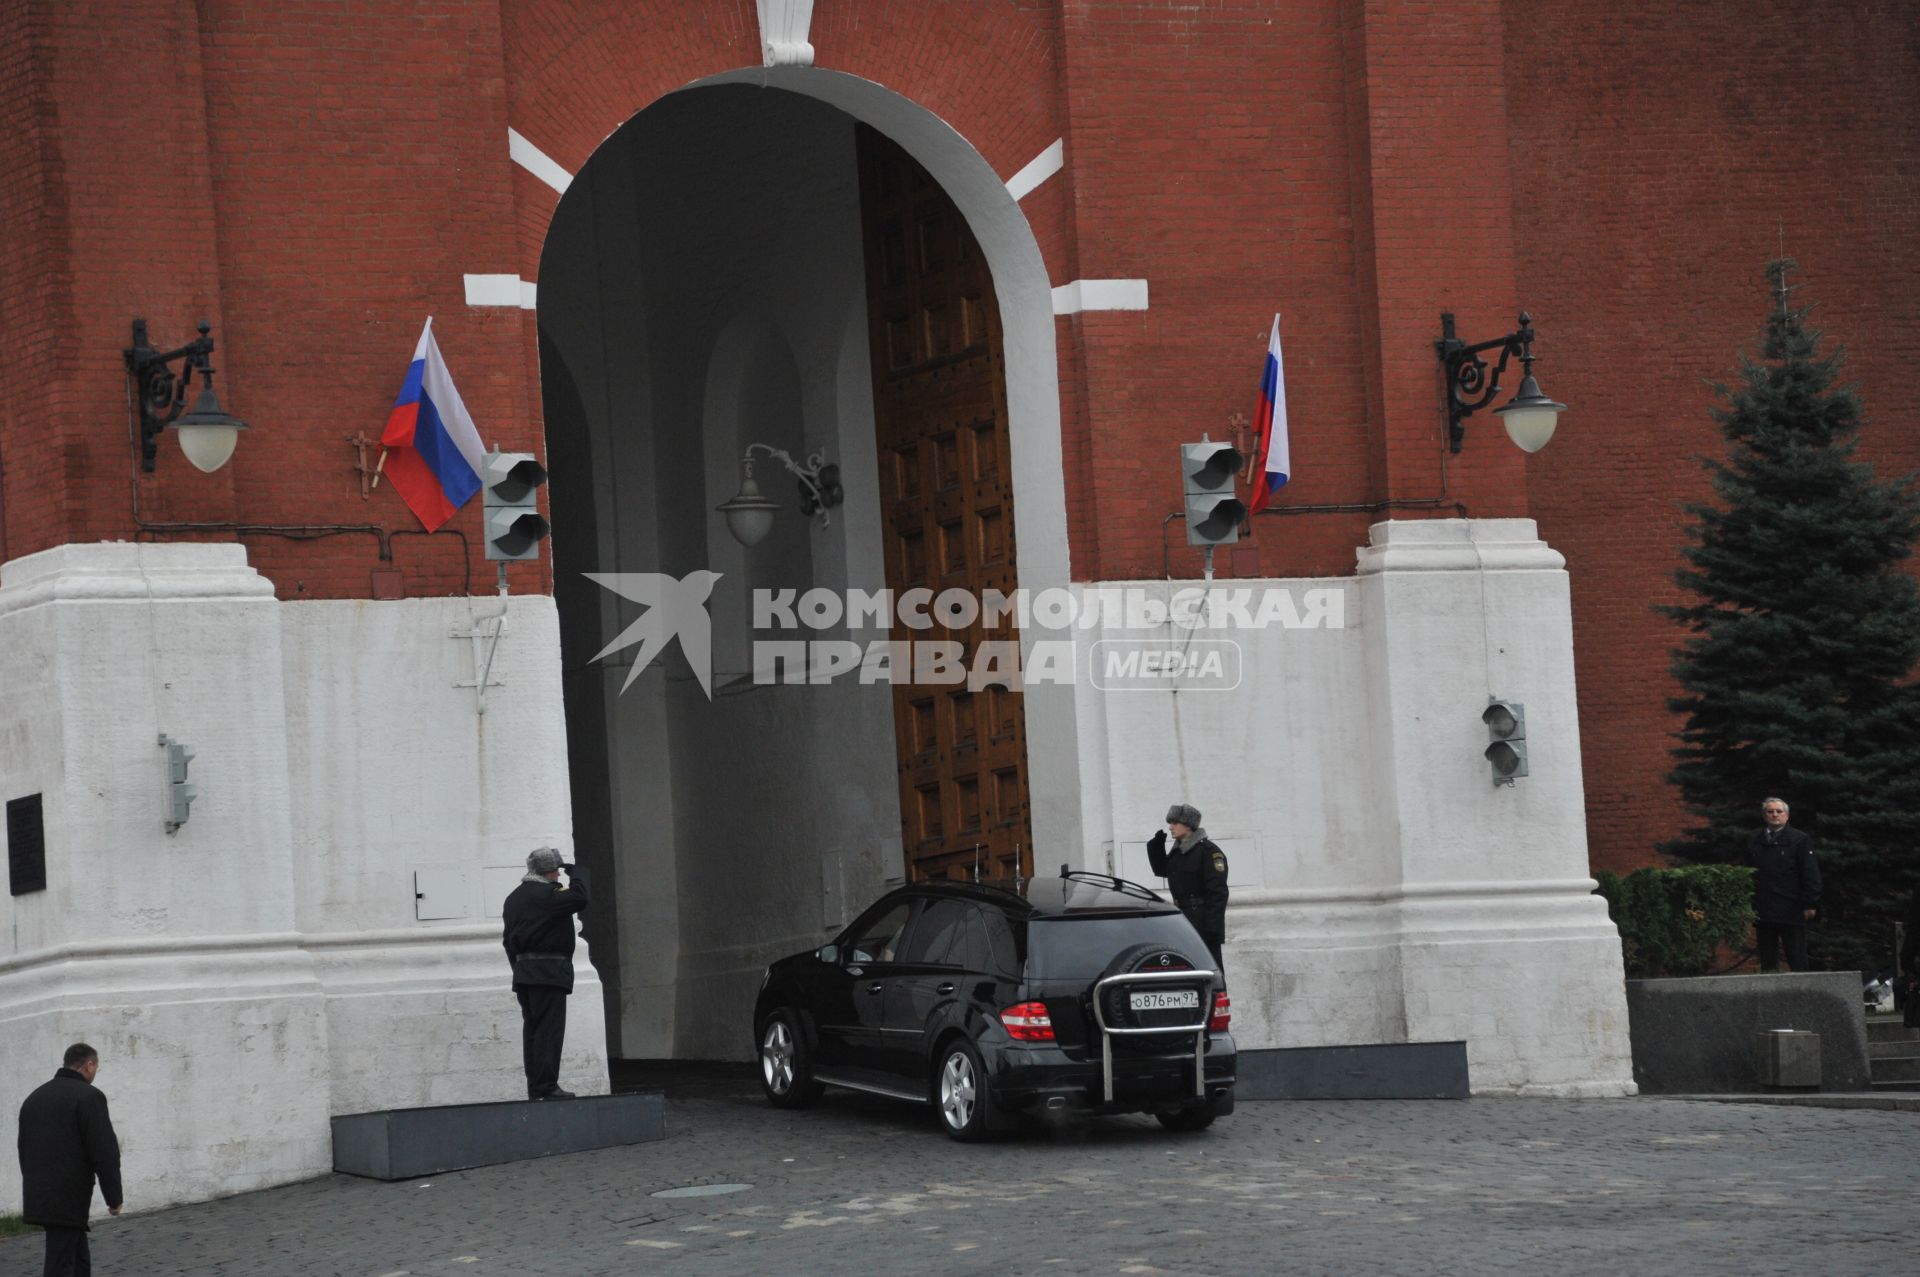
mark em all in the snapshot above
pixel 860 1185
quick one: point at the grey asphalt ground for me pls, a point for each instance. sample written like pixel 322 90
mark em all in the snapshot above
pixel 860 1185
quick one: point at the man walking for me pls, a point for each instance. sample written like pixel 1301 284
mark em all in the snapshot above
pixel 1786 887
pixel 66 1142
pixel 538 936
pixel 1196 874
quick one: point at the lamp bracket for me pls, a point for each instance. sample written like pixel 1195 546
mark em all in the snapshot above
pixel 1469 387
pixel 162 392
pixel 819 480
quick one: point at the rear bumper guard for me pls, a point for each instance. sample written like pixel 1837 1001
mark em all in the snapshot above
pixel 1199 1029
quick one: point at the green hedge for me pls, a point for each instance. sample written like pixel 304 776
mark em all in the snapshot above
pixel 1673 921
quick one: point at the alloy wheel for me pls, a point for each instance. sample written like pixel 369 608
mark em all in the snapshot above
pixel 957 1091
pixel 776 1057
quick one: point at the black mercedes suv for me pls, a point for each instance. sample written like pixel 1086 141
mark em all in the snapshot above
pixel 992 1000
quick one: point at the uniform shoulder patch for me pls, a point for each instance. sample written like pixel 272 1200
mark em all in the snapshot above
pixel 1219 862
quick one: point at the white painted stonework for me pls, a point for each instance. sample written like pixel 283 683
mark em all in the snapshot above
pixel 784 26
pixel 261 969
pixel 1384 889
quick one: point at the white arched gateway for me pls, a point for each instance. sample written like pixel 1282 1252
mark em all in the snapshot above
pixel 706 288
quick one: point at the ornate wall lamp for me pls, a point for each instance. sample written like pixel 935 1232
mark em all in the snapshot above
pixel 749 512
pixel 1530 416
pixel 207 435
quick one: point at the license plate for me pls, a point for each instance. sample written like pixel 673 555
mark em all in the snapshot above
pixel 1172 1000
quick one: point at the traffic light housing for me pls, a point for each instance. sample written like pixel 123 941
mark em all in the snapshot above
pixel 1207 472
pixel 1507 730
pixel 180 792
pixel 509 488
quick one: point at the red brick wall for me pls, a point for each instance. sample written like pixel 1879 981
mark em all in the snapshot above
pixel 317 188
pixel 35 302
pixel 109 188
pixel 1662 154
pixel 1261 157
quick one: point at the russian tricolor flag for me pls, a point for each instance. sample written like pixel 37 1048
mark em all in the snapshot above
pixel 1271 462
pixel 434 455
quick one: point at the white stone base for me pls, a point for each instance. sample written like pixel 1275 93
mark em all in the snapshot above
pixel 1537 1003
pixel 1384 888
pixel 213 1056
pixel 267 965
pixel 412 1024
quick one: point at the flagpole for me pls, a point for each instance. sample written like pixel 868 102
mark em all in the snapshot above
pixel 377 466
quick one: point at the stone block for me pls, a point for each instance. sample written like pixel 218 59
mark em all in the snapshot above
pixel 1696 1035
pixel 1789 1057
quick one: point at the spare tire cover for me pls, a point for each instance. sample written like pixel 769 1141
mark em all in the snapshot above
pixel 1115 1007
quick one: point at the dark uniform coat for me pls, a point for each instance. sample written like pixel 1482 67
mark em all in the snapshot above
pixel 538 936
pixel 66 1140
pixel 1786 877
pixel 1197 879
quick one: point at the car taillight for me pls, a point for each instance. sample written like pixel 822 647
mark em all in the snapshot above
pixel 1222 1013
pixel 1028 1022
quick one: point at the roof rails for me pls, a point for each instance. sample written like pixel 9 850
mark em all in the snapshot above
pixel 1121 885
pixel 996 888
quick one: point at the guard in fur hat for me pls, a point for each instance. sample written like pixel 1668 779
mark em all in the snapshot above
pixel 1196 872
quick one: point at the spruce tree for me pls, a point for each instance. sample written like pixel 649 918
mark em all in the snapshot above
pixel 1802 643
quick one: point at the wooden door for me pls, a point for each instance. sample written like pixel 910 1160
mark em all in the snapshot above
pixel 946 489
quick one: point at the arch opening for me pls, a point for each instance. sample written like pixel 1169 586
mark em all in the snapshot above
pixel 702 288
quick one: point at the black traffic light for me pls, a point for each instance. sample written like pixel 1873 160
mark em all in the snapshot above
pixel 1207 472
pixel 1507 728
pixel 509 488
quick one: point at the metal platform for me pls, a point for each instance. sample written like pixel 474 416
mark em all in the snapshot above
pixel 1391 1071
pixel 405 1143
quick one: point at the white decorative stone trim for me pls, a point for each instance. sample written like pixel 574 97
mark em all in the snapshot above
pixel 500 290
pixel 1457 545
pixel 259 942
pixel 105 571
pixel 1100 294
pixel 83 975
pixel 784 26
pixel 1038 169
pixel 1326 896
pixel 537 162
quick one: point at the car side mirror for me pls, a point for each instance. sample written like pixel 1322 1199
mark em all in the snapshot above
pixel 828 953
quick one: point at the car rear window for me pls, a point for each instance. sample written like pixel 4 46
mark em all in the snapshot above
pixel 1079 948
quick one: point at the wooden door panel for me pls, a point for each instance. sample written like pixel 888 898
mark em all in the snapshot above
pixel 946 489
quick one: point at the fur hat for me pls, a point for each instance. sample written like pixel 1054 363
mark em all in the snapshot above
pixel 1184 814
pixel 543 860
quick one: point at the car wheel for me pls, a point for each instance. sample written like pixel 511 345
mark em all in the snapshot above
pixel 786 1072
pixel 1196 1117
pixel 960 1092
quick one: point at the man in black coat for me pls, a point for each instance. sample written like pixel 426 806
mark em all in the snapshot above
pixel 66 1142
pixel 1196 874
pixel 538 936
pixel 1786 887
